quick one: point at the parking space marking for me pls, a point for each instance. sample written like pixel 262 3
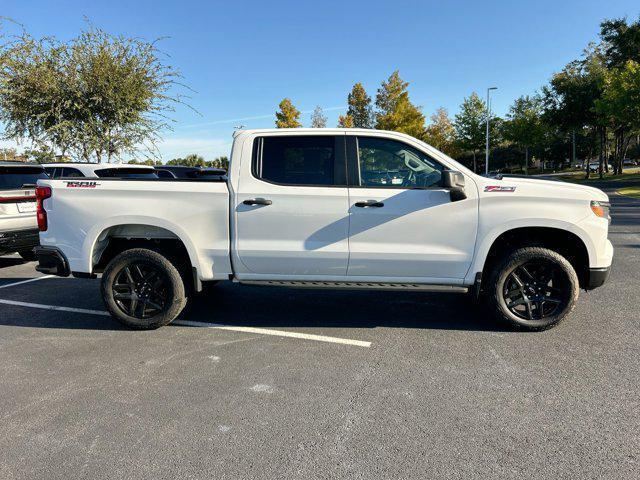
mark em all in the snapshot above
pixel 191 323
pixel 53 307
pixel 26 281
pixel 278 333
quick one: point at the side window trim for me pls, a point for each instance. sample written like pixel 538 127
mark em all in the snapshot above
pixel 353 167
pixel 339 163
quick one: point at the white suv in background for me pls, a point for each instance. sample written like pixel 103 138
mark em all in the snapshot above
pixel 18 226
pixel 101 170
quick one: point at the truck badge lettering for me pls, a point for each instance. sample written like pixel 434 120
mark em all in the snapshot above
pixel 79 184
pixel 499 188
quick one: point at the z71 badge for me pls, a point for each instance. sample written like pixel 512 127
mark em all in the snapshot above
pixel 499 188
pixel 77 184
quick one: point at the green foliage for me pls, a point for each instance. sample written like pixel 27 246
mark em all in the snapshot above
pixel 43 155
pixel 318 119
pixel 441 134
pixel 395 110
pixel 622 41
pixel 524 126
pixel 95 96
pixel 194 160
pixel 345 121
pixel 288 116
pixel 470 124
pixel 360 107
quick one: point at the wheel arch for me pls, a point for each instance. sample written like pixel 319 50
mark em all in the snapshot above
pixel 142 231
pixel 565 239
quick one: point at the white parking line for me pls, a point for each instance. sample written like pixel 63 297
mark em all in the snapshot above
pixel 191 323
pixel 26 281
pixel 278 333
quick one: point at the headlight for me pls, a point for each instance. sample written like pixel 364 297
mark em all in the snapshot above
pixel 601 209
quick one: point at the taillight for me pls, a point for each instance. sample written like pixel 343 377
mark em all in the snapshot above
pixel 42 193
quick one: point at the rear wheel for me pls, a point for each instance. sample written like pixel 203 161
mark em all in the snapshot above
pixel 534 288
pixel 142 289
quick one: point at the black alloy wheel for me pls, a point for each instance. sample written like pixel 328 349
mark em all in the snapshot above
pixel 536 289
pixel 140 290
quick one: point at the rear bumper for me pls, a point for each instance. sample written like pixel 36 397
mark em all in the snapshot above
pixel 597 277
pixel 18 240
pixel 52 262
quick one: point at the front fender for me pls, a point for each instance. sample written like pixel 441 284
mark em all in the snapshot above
pixel 487 239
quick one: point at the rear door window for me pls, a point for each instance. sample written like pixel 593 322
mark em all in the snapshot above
pixel 296 160
pixel 71 172
pixel 19 177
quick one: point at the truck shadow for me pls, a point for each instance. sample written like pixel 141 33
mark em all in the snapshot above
pixel 6 262
pixel 268 307
pixel 279 307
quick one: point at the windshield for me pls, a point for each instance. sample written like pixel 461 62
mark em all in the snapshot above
pixel 16 177
pixel 126 173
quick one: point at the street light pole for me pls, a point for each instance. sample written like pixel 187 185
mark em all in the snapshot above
pixel 486 154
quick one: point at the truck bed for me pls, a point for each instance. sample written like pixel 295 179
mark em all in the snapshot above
pixel 82 213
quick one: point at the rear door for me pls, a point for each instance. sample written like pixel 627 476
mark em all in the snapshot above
pixel 292 208
pixel 403 223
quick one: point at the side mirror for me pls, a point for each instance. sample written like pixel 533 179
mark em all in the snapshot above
pixel 454 181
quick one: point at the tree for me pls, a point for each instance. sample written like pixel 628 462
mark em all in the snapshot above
pixel 360 107
pixel 524 125
pixel 318 119
pixel 470 125
pixel 622 41
pixel 570 100
pixel 440 133
pixel 288 116
pixel 220 162
pixel 95 96
pixel 345 121
pixel 395 110
pixel 620 105
pixel 192 160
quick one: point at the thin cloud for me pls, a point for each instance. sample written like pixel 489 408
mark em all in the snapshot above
pixel 257 117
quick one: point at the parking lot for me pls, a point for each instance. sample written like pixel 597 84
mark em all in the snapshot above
pixel 257 382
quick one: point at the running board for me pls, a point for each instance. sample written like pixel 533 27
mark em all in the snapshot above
pixel 358 285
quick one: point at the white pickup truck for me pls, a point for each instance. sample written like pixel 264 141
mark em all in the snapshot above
pixel 329 208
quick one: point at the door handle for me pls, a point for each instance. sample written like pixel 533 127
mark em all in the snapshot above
pixel 370 203
pixel 257 201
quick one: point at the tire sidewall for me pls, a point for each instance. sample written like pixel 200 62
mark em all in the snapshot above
pixel 175 288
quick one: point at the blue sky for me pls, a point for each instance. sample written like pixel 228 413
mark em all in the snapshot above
pixel 242 58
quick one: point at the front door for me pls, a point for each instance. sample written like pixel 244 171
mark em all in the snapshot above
pixel 292 217
pixel 403 224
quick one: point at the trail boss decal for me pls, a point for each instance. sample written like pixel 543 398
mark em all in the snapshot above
pixel 499 188
pixel 77 184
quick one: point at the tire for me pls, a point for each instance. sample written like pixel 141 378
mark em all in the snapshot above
pixel 28 255
pixel 533 288
pixel 142 289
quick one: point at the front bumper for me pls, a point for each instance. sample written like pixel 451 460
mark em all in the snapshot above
pixel 18 240
pixel 597 277
pixel 52 262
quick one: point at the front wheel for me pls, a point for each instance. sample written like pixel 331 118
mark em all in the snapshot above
pixel 533 288
pixel 142 289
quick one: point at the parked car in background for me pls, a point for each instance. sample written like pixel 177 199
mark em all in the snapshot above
pixel 18 226
pixel 184 172
pixel 100 170
pixel 594 167
pixel 627 162
pixel 323 208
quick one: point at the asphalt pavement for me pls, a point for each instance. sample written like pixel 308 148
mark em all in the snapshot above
pixel 319 384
